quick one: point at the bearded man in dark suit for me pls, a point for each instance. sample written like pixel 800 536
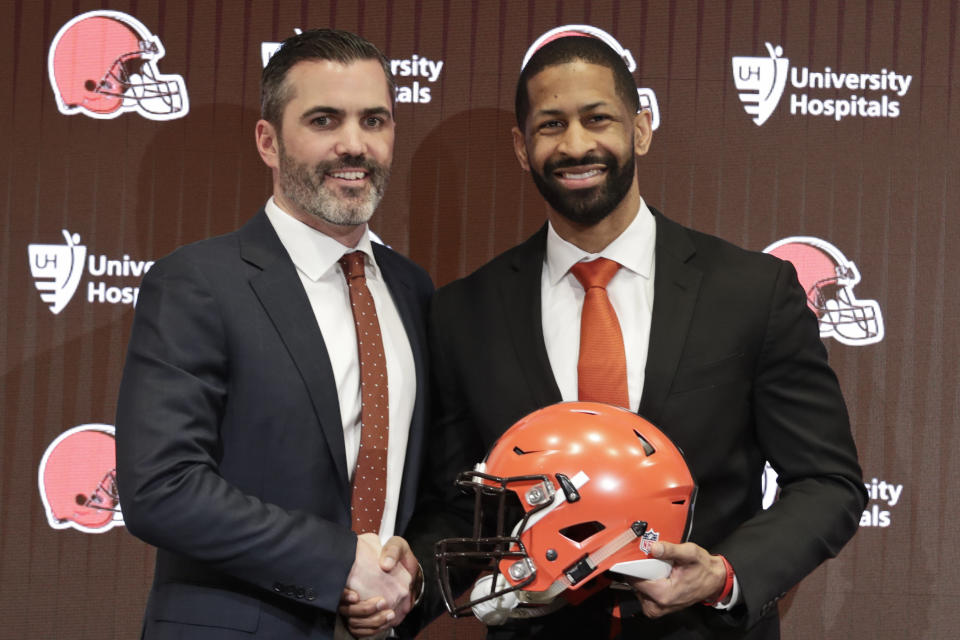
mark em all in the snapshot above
pixel 718 348
pixel 272 408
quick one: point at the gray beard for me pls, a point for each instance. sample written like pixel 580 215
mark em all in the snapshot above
pixel 304 187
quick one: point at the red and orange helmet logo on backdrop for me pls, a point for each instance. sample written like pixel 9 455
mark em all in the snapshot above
pixel 78 480
pixel 828 278
pixel 648 99
pixel 104 63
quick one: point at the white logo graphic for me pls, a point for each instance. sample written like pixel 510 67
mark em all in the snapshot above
pixel 882 493
pixel 56 269
pixel 828 278
pixel 769 486
pixel 104 63
pixel 416 66
pixel 885 495
pixel 78 480
pixel 648 99
pixel 760 82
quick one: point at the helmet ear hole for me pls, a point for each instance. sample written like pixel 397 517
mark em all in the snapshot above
pixel 647 447
pixel 580 532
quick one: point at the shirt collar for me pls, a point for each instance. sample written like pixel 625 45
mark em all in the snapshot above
pixel 633 248
pixel 313 252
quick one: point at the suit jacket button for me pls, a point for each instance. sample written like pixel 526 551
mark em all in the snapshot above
pixel 277 587
pixel 310 594
pixel 300 593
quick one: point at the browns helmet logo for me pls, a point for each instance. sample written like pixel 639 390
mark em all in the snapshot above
pixel 104 63
pixel 828 278
pixel 78 480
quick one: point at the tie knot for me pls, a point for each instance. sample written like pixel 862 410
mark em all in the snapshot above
pixel 352 264
pixel 596 273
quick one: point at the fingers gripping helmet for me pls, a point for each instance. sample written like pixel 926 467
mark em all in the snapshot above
pixel 828 278
pixel 103 63
pixel 78 480
pixel 594 485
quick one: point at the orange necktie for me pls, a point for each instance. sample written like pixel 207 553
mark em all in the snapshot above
pixel 602 369
pixel 370 474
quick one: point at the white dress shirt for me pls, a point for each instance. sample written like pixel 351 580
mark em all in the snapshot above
pixel 630 292
pixel 316 257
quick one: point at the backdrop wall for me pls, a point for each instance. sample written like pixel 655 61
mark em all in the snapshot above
pixel 826 131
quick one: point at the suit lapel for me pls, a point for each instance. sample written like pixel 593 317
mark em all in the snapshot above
pixel 675 289
pixel 520 293
pixel 281 293
pixel 403 293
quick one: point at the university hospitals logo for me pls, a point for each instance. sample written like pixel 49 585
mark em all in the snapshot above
pixel 648 99
pixel 424 71
pixel 77 479
pixel 762 82
pixel 883 496
pixel 104 63
pixel 58 268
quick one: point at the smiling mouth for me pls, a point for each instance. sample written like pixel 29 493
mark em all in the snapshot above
pixel 348 175
pixel 579 175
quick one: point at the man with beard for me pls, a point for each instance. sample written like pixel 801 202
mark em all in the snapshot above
pixel 271 411
pixel 712 343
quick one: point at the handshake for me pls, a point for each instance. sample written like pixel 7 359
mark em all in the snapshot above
pixel 382 587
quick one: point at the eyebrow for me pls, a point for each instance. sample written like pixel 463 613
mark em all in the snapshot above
pixel 584 109
pixel 322 109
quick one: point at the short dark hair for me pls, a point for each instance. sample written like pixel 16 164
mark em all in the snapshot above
pixel 569 49
pixel 314 44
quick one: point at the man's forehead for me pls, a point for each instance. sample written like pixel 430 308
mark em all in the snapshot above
pixel 351 84
pixel 575 80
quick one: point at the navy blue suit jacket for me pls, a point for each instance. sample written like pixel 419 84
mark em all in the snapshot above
pixel 230 452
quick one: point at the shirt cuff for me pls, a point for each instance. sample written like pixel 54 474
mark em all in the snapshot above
pixel 734 598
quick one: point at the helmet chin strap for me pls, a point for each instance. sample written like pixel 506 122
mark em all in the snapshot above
pixel 647 569
pixel 507 607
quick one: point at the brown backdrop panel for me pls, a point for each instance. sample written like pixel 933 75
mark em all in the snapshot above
pixel 885 191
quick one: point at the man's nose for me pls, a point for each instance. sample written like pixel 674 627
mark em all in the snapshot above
pixel 350 141
pixel 576 141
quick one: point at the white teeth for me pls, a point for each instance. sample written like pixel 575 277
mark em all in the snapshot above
pixel 581 176
pixel 348 175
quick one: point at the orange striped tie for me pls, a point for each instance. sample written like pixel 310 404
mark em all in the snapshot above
pixel 602 369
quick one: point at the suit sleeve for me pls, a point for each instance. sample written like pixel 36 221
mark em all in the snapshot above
pixel 803 429
pixel 172 401
pixel 452 445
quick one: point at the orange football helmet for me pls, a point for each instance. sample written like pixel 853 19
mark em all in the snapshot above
pixel 587 487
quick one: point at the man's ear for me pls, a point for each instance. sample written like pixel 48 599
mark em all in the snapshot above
pixel 268 144
pixel 642 132
pixel 520 148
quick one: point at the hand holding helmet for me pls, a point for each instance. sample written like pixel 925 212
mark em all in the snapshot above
pixel 587 488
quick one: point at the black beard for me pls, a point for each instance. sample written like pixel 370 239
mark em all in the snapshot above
pixel 585 207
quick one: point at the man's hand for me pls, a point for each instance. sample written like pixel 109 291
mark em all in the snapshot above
pixel 696 576
pixel 379 611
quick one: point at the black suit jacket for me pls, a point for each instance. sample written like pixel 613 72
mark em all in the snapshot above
pixel 736 374
pixel 230 451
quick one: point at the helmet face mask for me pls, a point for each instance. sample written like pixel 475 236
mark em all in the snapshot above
pixel 602 485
